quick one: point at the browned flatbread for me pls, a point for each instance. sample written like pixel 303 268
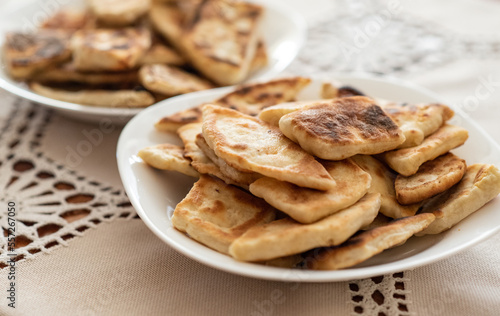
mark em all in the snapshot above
pixel 418 121
pixel 248 144
pixel 308 205
pixel 249 99
pixel 331 90
pixel 222 40
pixel 215 214
pixel 480 184
pixel 433 177
pixel 168 157
pixel 159 53
pixel 342 128
pixel 273 114
pixel 119 12
pixel 69 20
pixel 407 161
pixel 27 54
pixel 383 182
pixel 260 60
pixel 369 243
pixel 286 237
pixel 167 19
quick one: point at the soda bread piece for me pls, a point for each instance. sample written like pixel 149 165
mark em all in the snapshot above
pixel 480 184
pixel 168 157
pixel 308 205
pixel 407 161
pixel 342 128
pixel 433 177
pixel 248 144
pixel 366 245
pixel 215 213
pixel 286 237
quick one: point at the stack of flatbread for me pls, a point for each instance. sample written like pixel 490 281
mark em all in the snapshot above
pixel 133 53
pixel 322 184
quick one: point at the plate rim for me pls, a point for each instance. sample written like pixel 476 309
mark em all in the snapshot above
pixel 297 275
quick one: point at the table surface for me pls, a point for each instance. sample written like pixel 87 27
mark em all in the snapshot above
pixel 87 253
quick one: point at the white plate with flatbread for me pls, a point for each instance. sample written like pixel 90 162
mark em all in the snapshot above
pixel 155 193
pixel 284 31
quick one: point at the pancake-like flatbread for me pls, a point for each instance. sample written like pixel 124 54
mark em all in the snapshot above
pixel 418 121
pixel 331 90
pixel 383 182
pixel 70 20
pixel 308 205
pixel 249 144
pixel 159 53
pixel 167 20
pixel 369 243
pixel 103 98
pixel 342 128
pixel 170 81
pixel 215 214
pixel 222 40
pixel 243 179
pixel 168 157
pixel 273 114
pixel 480 184
pixel 407 161
pixel 286 237
pixel 109 49
pixel 26 54
pixel 119 12
pixel 249 99
pixel 433 177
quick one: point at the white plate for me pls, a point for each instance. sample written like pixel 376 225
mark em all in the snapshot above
pixel 155 193
pixel 284 31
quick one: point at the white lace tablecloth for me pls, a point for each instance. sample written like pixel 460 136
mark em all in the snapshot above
pixel 82 250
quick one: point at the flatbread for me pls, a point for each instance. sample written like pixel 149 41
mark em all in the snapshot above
pixel 168 157
pixel 480 184
pixel 119 12
pixel 331 90
pixel 170 80
pixel 418 121
pixel 261 59
pixel 159 53
pixel 407 161
pixel 222 40
pixel 70 20
pixel 27 54
pixel 215 214
pixel 308 205
pixel 273 114
pixel 167 20
pixel 242 179
pixel 249 99
pixel 383 182
pixel 369 243
pixel 103 98
pixel 342 128
pixel 109 49
pixel 248 144
pixel 433 177
pixel 286 237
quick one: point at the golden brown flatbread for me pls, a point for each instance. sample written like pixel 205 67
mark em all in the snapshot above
pixel 167 19
pixel 168 157
pixel 342 128
pixel 248 144
pixel 119 12
pixel 215 214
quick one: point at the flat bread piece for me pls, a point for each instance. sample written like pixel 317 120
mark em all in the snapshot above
pixel 215 214
pixel 480 184
pixel 170 80
pixel 222 40
pixel 331 90
pixel 159 53
pixel 168 157
pixel 308 205
pixel 383 182
pixel 102 98
pixel 70 20
pixel 286 237
pixel 167 19
pixel 407 161
pixel 243 179
pixel 369 243
pixel 119 12
pixel 248 144
pixel 273 114
pixel 109 49
pixel 249 99
pixel 342 128
pixel 418 121
pixel 27 54
pixel 432 178
pixel 260 59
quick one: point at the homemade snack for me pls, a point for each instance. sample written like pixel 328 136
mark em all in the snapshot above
pixel 433 177
pixel 168 157
pixel 119 12
pixel 342 128
pixel 215 213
